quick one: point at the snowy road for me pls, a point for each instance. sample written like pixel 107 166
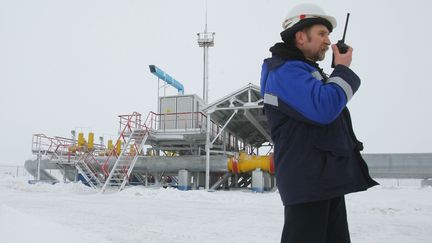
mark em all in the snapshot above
pixel 73 212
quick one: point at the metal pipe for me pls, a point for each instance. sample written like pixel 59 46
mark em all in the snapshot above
pixel 167 78
pixel 207 184
pixel 39 161
pixel 205 79
pixel 239 107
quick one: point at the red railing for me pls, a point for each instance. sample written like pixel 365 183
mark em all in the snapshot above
pixel 132 121
pixel 56 146
pixel 61 148
pixel 126 124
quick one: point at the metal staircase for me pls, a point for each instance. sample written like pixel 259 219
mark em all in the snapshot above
pixel 89 173
pixel 141 179
pixel 220 181
pixel 120 173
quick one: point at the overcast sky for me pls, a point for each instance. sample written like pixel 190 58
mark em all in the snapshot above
pixel 79 63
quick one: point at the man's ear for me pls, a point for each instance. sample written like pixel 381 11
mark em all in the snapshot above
pixel 300 37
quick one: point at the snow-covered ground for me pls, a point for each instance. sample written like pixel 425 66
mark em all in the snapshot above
pixel 396 211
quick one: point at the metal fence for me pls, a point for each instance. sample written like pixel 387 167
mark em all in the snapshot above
pixel 13 170
pixel 414 165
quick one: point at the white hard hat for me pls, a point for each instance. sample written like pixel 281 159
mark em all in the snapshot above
pixel 308 11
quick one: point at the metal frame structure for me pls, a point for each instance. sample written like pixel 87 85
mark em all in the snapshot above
pixel 134 135
pixel 65 152
pixel 228 126
pixel 240 111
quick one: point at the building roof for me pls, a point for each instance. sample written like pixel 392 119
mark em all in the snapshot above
pixel 249 122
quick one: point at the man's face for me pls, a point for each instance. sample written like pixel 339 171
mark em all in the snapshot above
pixel 314 42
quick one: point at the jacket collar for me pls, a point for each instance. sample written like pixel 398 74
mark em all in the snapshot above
pixel 291 52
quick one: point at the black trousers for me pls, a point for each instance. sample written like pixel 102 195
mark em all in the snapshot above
pixel 316 222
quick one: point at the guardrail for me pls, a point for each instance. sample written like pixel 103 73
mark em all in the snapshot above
pixel 408 165
pixel 13 170
pixel 182 121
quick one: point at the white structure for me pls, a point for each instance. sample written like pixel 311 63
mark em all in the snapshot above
pixel 205 40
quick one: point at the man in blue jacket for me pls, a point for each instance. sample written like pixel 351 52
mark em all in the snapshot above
pixel 317 155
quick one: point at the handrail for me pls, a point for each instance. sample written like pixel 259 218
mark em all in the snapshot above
pixel 154 119
pixel 49 144
pixel 59 148
pixel 53 144
pixel 197 120
pixel 127 124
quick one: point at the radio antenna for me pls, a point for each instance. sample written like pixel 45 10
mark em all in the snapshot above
pixel 205 27
pixel 345 29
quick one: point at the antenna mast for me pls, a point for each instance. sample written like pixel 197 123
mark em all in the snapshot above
pixel 206 7
pixel 205 40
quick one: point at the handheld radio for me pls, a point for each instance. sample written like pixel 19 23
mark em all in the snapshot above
pixel 342 47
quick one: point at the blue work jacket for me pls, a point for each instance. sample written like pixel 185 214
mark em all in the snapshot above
pixel 316 153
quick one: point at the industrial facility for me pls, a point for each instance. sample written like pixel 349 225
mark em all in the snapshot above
pixel 187 143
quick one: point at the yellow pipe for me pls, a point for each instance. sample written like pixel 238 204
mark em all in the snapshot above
pixel 90 145
pixel 109 149
pixel 118 147
pixel 110 145
pixel 246 163
pixel 81 139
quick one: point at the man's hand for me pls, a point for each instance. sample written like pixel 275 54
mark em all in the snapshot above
pixel 342 59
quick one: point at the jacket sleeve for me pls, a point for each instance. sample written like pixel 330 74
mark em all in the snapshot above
pixel 294 90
